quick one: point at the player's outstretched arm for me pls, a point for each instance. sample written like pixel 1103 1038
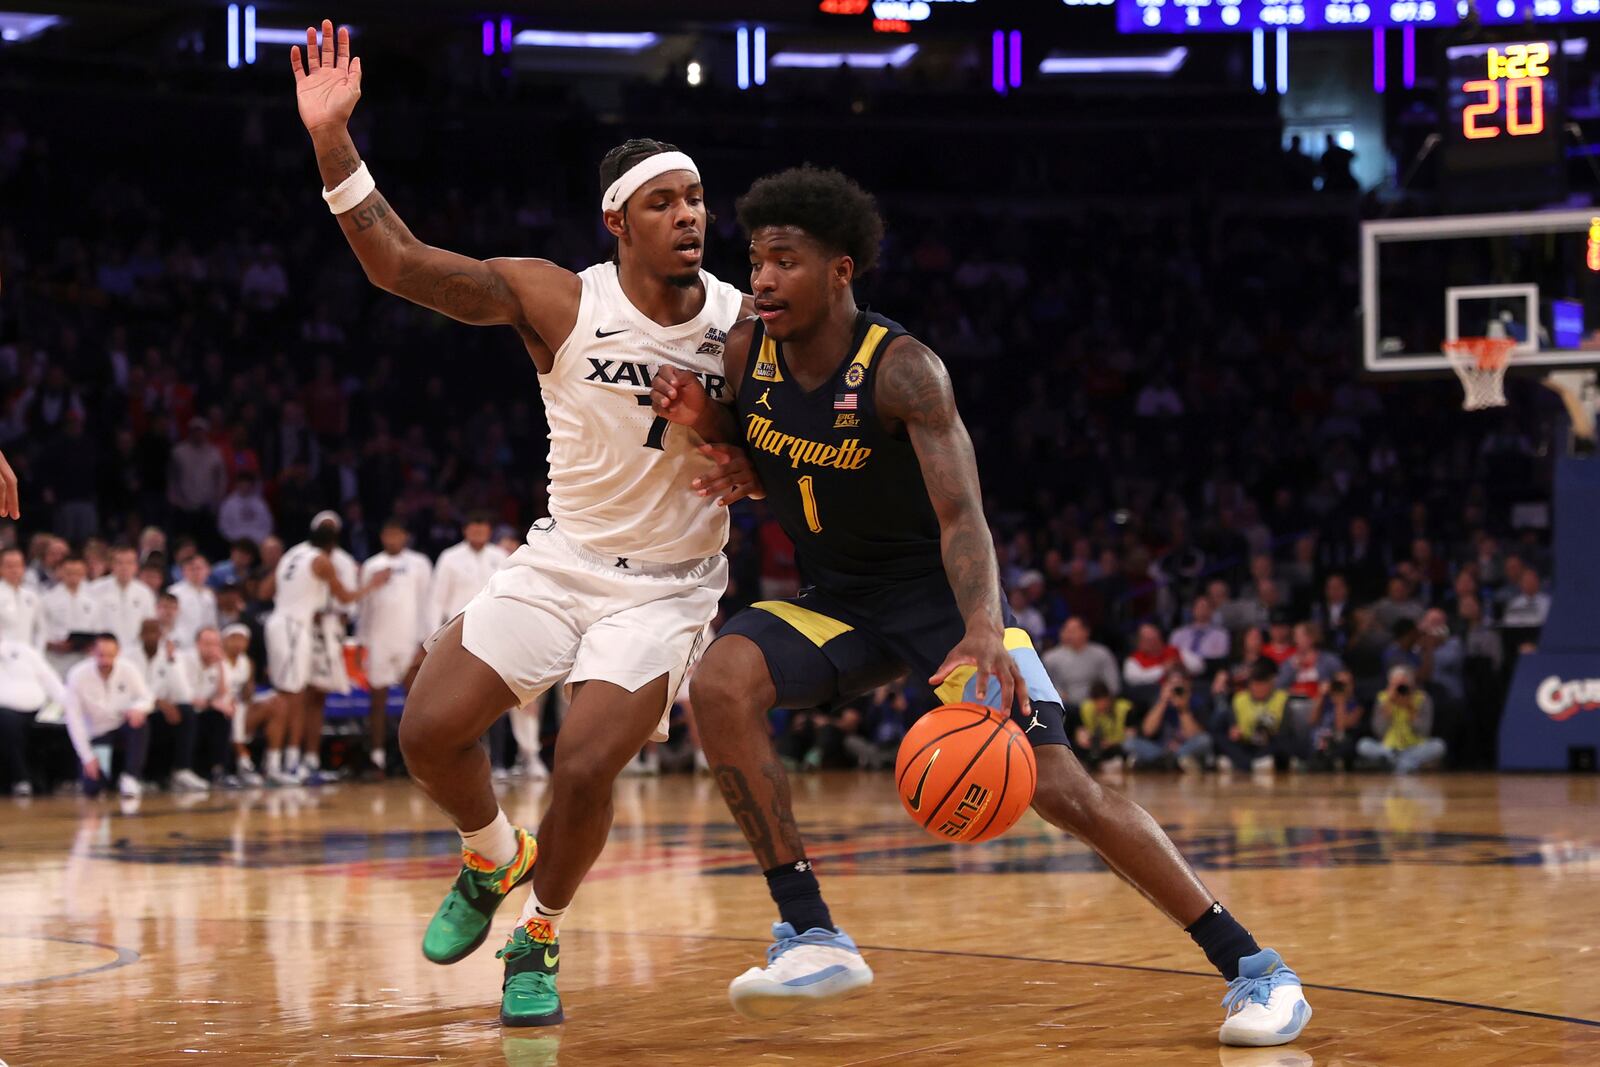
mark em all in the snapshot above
pixel 913 387
pixel 527 293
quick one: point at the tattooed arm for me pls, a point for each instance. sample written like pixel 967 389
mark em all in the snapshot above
pixel 913 389
pixel 537 297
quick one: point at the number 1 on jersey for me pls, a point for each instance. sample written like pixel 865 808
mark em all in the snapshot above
pixel 808 499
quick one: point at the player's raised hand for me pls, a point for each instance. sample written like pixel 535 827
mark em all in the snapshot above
pixel 328 85
pixel 678 396
pixel 735 477
pixel 985 651
pixel 10 496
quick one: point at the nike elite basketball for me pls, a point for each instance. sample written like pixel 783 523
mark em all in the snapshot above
pixel 965 773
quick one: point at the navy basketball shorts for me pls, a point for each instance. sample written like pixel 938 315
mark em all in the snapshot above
pixel 824 650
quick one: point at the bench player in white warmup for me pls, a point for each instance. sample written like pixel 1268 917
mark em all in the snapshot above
pixel 393 623
pixel 614 592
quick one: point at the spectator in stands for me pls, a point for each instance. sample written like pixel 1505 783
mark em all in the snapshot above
pixel 1510 584
pixel 1529 606
pixel 1279 645
pixel 72 616
pixel 27 684
pixel 240 566
pixel 1103 726
pixel 1403 723
pixel 107 706
pixel 1077 663
pixel 1236 675
pixel 21 611
pixel 1332 612
pixel 197 601
pixel 1201 636
pixel 1028 617
pixel 71 482
pixel 125 602
pixel 1397 603
pixel 1152 658
pixel 197 478
pixel 1170 733
pixel 243 514
pixel 1309 668
pixel 1256 735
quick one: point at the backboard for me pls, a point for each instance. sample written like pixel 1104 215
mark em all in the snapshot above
pixel 1530 276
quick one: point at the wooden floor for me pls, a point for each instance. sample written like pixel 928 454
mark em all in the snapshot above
pixel 1435 921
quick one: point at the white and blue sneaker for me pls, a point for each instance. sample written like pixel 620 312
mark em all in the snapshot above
pixel 1265 1004
pixel 801 968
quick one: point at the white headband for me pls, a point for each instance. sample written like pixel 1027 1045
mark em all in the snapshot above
pixel 635 176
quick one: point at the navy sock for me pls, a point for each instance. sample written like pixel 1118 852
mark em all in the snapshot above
pixel 1222 939
pixel 795 890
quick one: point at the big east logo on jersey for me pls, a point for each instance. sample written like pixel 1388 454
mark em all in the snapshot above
pixel 1562 700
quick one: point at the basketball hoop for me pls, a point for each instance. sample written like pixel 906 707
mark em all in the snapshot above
pixel 1480 363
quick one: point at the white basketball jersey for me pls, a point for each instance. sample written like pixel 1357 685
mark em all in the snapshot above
pixel 301 594
pixel 619 478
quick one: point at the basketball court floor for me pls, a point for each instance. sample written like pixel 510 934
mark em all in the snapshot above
pixel 1435 920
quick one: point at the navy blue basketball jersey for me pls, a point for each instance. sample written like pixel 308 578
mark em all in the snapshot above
pixel 845 488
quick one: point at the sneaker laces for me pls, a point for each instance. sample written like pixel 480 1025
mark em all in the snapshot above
pixel 1242 990
pixel 814 936
pixel 518 947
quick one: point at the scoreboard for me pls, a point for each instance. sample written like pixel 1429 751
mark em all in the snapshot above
pixel 1502 120
pixel 1232 16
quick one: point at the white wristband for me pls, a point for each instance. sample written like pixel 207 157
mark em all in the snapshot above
pixel 350 192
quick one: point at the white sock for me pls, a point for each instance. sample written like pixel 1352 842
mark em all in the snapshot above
pixel 246 763
pixel 291 758
pixel 379 758
pixel 274 761
pixel 496 842
pixel 312 761
pixel 535 910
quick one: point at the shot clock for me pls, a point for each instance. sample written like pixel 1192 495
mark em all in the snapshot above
pixel 1502 119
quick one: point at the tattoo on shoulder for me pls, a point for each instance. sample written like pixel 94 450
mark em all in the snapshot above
pixel 914 385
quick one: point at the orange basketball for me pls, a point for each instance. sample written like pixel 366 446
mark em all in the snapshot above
pixel 965 773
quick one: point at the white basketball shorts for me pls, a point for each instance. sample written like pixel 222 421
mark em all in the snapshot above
pixel 555 611
pixel 304 652
pixel 389 657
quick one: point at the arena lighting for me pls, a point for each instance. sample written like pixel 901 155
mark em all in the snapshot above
pixel 488 38
pixel 741 50
pixel 249 33
pixel 24 25
pixel 1164 64
pixel 1380 75
pixel 1408 56
pixel 818 60
pixel 610 42
pixel 1016 59
pixel 761 55
pixel 233 36
pixel 1283 61
pixel 1258 60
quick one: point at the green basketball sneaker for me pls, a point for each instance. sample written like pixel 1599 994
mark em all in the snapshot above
pixel 528 995
pixel 462 921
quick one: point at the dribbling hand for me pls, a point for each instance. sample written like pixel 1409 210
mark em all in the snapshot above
pixel 985 651
pixel 329 84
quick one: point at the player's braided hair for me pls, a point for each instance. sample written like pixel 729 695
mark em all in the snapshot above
pixel 622 158
pixel 824 203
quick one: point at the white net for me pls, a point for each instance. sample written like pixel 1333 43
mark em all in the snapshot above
pixel 1480 363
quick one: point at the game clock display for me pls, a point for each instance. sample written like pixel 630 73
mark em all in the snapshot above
pixel 1503 106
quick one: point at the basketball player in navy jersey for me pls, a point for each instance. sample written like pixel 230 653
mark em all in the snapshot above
pixel 852 426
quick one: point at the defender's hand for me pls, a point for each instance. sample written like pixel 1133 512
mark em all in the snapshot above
pixel 985 650
pixel 735 478
pixel 329 84
pixel 677 396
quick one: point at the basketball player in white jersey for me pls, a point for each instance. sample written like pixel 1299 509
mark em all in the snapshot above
pixel 394 622
pixel 298 637
pixel 612 593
